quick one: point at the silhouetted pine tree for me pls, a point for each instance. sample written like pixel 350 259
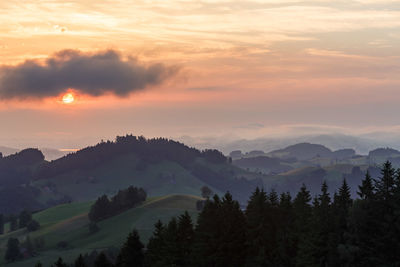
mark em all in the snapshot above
pixel 155 246
pixel 131 253
pixel 170 251
pixel 285 226
pixel 256 225
pixel 185 239
pixel 302 227
pixel 231 248
pixel 366 189
pixel 386 238
pixel 207 234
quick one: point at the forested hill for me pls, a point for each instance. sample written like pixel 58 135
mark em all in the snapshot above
pixel 160 166
pixel 148 150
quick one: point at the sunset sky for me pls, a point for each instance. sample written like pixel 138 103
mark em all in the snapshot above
pixel 199 68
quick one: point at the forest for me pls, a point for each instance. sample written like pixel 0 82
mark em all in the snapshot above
pixel 273 230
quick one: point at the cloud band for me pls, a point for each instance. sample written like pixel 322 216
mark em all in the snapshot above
pixel 93 74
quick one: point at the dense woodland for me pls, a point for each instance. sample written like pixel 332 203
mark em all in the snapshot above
pixel 275 230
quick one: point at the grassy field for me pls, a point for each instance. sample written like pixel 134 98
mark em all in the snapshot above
pixel 69 223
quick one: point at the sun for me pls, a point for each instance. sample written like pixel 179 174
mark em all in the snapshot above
pixel 68 98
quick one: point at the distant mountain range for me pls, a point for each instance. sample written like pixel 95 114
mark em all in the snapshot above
pixel 361 144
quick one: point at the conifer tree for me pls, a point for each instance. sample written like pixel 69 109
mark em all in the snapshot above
pixel 131 253
pixel 342 205
pixel 207 234
pixel 170 251
pixel 387 246
pixel 322 227
pixel 155 246
pixel 185 237
pixel 231 244
pixel 285 227
pixel 386 184
pixel 366 189
pixel 256 226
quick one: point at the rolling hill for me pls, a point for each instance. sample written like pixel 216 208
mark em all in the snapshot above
pixel 69 223
pixel 160 166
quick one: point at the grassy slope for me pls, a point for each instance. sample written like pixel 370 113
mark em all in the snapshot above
pixel 69 223
pixel 158 179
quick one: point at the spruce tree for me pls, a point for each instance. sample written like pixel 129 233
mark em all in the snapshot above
pixel 342 205
pixel 386 184
pixel 304 232
pixel 131 253
pixel 155 246
pixel 322 226
pixel 171 249
pixel 387 246
pixel 256 229
pixel 185 237
pixel 366 189
pixel 207 234
pixel 285 227
pixel 231 248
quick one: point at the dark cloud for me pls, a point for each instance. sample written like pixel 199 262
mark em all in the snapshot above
pixel 92 74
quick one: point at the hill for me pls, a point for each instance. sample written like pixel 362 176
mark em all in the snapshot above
pixel 49 153
pixel 160 166
pixel 263 164
pixel 302 151
pixel 68 223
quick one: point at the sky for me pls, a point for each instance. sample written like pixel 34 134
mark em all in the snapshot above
pixel 232 69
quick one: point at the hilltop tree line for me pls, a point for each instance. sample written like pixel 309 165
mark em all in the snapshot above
pixel 149 150
pixel 125 199
pixel 277 230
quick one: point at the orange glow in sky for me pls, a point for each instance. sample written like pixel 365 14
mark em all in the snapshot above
pixel 68 98
pixel 269 63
